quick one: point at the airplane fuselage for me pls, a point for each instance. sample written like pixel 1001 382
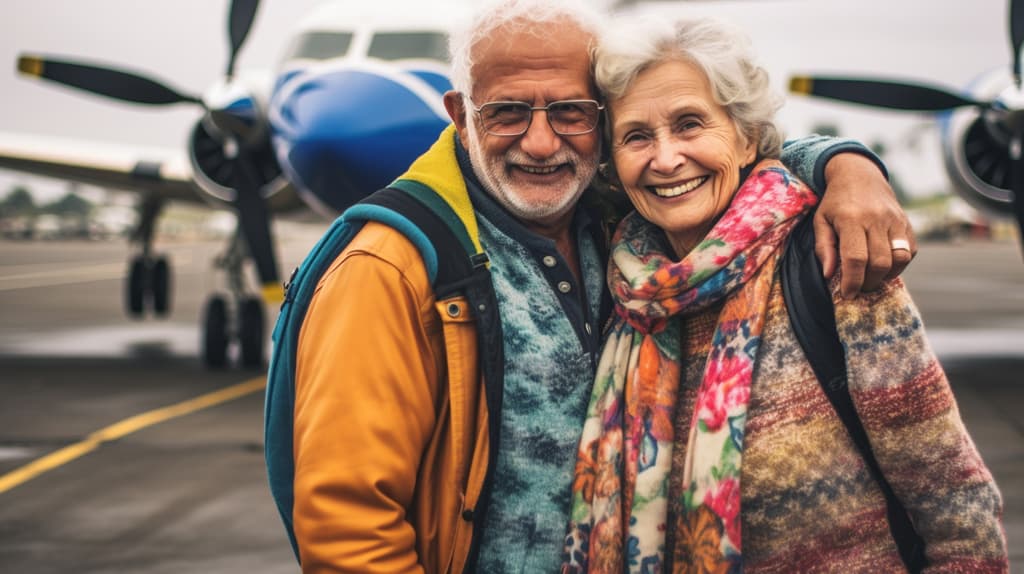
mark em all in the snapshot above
pixel 352 108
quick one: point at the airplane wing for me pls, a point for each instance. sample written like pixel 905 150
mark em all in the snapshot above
pixel 127 168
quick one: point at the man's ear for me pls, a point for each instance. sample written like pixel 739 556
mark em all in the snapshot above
pixel 456 106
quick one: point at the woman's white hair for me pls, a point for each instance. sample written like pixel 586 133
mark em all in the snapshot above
pixel 722 51
pixel 528 16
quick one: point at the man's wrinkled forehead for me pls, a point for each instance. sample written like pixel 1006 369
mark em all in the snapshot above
pixel 522 45
pixel 509 35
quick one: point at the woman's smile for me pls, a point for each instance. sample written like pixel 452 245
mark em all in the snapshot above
pixel 669 191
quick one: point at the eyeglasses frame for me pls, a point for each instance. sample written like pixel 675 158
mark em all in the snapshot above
pixel 529 122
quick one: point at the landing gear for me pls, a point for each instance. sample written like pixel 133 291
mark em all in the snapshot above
pixel 148 284
pixel 238 320
pixel 235 320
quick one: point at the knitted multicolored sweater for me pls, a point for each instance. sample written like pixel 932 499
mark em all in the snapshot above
pixel 809 503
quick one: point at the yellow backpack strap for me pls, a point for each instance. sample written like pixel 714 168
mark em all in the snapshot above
pixel 435 179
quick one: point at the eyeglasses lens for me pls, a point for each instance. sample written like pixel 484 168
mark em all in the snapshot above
pixel 565 117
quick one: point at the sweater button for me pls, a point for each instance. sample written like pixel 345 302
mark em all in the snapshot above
pixel 467 515
pixel 454 310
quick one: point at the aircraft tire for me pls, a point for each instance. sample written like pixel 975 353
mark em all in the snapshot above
pixel 160 281
pixel 250 332
pixel 135 287
pixel 215 332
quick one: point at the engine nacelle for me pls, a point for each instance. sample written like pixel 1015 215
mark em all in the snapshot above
pixel 976 148
pixel 234 124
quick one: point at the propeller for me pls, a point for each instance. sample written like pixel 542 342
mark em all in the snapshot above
pixel 234 133
pixel 1003 115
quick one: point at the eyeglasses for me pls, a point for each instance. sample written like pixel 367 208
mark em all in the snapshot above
pixel 566 117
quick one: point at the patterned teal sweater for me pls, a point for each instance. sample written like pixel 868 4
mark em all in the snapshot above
pixel 548 375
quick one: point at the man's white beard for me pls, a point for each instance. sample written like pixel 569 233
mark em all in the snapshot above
pixel 493 176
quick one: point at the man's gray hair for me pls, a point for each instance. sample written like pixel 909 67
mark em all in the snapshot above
pixel 722 51
pixel 517 16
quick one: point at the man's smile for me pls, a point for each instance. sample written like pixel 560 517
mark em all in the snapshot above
pixel 540 170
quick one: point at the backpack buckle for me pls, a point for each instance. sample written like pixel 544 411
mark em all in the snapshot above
pixel 479 260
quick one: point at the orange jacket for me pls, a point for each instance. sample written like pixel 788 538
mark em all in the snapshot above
pixel 390 434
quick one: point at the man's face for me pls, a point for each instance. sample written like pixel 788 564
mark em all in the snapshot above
pixel 537 176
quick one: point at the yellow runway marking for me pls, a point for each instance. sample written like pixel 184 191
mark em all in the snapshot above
pixel 126 427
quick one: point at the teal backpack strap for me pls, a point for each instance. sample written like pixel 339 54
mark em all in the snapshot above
pixel 460 270
pixel 813 317
pixel 279 403
pixel 429 223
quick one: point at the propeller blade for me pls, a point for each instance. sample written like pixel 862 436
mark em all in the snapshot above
pixel 243 12
pixel 1016 35
pixel 880 93
pixel 254 221
pixel 254 218
pixel 103 81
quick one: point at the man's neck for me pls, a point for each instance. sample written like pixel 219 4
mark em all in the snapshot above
pixel 561 232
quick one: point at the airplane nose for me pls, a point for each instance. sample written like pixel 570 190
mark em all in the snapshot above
pixel 342 134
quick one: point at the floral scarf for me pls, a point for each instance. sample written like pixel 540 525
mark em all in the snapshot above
pixel 620 490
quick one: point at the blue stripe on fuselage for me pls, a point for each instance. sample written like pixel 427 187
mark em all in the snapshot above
pixel 438 81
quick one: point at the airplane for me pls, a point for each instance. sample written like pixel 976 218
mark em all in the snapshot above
pixel 313 137
pixel 357 97
pixel 982 129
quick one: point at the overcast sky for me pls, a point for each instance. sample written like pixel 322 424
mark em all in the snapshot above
pixel 948 42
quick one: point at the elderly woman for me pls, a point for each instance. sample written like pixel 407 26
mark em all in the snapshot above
pixel 709 444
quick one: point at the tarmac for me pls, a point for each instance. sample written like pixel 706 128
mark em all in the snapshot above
pixel 98 475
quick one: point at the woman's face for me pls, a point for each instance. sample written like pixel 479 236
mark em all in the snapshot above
pixel 677 152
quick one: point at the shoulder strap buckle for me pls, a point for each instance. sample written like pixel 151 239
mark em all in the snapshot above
pixel 478 260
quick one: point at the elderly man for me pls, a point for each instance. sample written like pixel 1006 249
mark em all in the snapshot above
pixel 395 466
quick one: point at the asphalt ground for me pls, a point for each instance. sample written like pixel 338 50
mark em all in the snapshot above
pixel 120 453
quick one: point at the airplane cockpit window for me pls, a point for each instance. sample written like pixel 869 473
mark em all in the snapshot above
pixel 320 45
pixel 407 45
